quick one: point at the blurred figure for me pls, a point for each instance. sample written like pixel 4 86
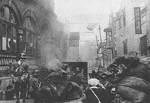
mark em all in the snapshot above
pixel 77 77
pixel 72 91
pixel 132 78
pixel 96 92
pixel 93 75
pixel 12 46
pixel 20 76
pixel 10 92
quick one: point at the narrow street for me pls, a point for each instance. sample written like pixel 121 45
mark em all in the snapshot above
pixel 74 51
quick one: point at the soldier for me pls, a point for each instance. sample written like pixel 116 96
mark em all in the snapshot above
pixel 18 75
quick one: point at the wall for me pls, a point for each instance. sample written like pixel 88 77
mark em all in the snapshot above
pixel 127 30
pixel 51 38
pixel 87 50
pixel 148 24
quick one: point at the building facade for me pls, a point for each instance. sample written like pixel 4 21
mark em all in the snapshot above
pixel 148 24
pixel 25 27
pixel 82 44
pixel 129 28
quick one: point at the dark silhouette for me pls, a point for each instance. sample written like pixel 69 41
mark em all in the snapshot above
pixel 72 91
pixel 56 88
pixel 21 78
pixel 132 79
pixel 12 46
pixel 104 95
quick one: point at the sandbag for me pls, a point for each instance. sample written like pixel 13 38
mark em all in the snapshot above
pixel 134 89
pixel 136 83
pixel 132 95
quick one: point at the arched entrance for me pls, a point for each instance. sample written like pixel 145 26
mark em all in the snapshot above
pixel 10 21
pixel 30 32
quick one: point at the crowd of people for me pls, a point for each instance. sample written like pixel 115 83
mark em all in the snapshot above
pixel 17 83
pixel 129 79
pixel 24 84
pixel 126 79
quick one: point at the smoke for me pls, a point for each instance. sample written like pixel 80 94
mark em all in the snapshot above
pixel 52 43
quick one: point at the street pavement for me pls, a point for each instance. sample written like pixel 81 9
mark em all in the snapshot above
pixel 14 101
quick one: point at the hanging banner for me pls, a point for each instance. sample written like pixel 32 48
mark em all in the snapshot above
pixel 137 14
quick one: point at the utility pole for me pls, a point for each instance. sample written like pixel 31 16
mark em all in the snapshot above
pixel 96 41
pixel 100 34
pixel 100 46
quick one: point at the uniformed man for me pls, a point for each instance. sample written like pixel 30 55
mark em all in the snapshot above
pixel 18 77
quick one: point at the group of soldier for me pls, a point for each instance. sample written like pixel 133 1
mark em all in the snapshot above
pixel 18 82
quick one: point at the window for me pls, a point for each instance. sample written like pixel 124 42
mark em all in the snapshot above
pixel 29 42
pixel 74 39
pixel 7 13
pixel 29 37
pixel 108 37
pixel 3 36
pixel 8 41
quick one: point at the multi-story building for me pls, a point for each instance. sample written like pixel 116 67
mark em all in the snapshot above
pixel 129 28
pixel 28 26
pixel 82 44
pixel 148 25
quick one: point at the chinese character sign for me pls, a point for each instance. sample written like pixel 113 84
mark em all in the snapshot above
pixel 137 14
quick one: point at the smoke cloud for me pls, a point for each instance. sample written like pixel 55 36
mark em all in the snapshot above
pixel 53 38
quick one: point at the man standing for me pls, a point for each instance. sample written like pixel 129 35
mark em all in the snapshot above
pixel 17 74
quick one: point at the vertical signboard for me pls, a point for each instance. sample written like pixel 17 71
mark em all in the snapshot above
pixel 137 15
pixel 125 46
